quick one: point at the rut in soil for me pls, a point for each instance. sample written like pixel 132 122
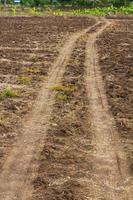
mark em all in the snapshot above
pixel 111 176
pixel 15 177
pixel 110 169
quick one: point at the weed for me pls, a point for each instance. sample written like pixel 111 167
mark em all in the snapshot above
pixel 61 97
pixel 8 93
pixel 14 9
pixel 32 70
pixel 98 11
pixel 2 121
pixel 25 79
pixel 83 38
pixel 43 78
pixel 35 12
pixel 58 12
pixel 62 88
pixel 105 11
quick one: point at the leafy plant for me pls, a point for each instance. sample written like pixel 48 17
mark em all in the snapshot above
pixel 58 12
pixel 14 9
pixel 103 11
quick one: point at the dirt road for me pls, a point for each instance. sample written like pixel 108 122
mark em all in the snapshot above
pixel 13 179
pixel 111 173
pixel 110 169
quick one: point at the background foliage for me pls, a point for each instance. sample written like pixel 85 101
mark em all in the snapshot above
pixel 73 3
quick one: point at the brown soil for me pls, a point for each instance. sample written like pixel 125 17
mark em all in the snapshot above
pixel 14 181
pixel 116 58
pixel 111 178
pixel 82 157
pixel 28 47
pixel 70 168
pixel 65 160
pixel 68 146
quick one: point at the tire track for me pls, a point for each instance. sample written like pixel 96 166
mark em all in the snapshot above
pixel 111 179
pixel 15 177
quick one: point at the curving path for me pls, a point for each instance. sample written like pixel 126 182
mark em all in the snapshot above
pixel 15 177
pixel 111 177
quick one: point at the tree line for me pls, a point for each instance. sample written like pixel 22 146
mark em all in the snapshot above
pixel 80 3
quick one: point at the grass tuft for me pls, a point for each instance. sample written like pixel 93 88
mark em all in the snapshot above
pixel 32 70
pixel 25 79
pixel 62 88
pixel 61 97
pixel 3 121
pixel 8 93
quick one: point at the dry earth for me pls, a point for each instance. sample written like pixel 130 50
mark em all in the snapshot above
pixel 28 48
pixel 63 141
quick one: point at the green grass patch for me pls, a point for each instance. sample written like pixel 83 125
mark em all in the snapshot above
pixel 56 11
pixel 25 79
pixel 31 70
pixel 63 88
pixel 8 93
pixel 61 97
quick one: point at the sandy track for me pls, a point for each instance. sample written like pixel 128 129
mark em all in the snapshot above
pixel 15 175
pixel 111 178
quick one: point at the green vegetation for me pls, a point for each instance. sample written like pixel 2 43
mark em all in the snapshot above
pixel 8 93
pixel 14 8
pixel 61 97
pixel 105 11
pixel 64 91
pixel 73 3
pixel 3 121
pixel 128 10
pixel 63 7
pixel 25 79
pixel 62 88
pixel 32 70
